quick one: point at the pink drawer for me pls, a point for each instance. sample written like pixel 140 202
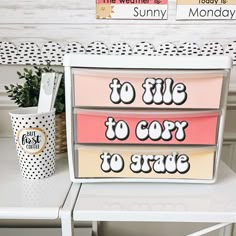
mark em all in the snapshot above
pixel 147 89
pixel 149 162
pixel 133 127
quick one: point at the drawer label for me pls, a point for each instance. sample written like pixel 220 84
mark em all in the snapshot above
pixel 156 91
pixel 155 130
pixel 173 163
pixel 153 162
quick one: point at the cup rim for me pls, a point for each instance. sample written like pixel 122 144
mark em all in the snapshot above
pixel 29 111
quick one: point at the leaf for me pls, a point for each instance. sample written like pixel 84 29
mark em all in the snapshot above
pixel 60 92
pixel 59 107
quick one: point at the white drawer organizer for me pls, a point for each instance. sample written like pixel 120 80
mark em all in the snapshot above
pixel 145 118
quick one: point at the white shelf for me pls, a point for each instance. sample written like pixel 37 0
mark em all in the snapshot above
pixel 30 199
pixel 160 202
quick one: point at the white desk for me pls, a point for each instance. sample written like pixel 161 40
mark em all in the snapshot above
pixel 50 198
pixel 160 202
pixel 30 199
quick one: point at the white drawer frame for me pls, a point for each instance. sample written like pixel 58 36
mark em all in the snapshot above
pixel 73 61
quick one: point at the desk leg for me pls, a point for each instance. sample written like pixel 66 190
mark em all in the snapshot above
pixel 94 228
pixel 226 231
pixel 211 229
pixel 67 209
pixel 67 226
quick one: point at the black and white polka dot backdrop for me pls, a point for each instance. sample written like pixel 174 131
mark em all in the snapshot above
pixel 231 50
pixel 8 53
pixel 212 49
pixel 120 48
pixel 52 52
pixel 145 49
pixel 97 48
pixel 35 165
pixel 166 49
pixel 31 53
pixel 189 49
pixel 74 47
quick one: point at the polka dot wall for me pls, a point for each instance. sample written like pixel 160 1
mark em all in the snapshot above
pixel 30 53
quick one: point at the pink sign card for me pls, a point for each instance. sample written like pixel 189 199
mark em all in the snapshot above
pixel 146 127
pixel 132 9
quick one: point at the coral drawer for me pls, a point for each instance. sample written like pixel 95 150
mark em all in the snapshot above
pixel 147 88
pixel 133 127
pixel 151 162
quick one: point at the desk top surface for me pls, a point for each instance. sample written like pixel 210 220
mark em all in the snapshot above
pixel 29 199
pixel 161 202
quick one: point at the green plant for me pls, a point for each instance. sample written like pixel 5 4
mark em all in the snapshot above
pixel 27 94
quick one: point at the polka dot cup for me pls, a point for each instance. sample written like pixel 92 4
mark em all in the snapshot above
pixel 35 141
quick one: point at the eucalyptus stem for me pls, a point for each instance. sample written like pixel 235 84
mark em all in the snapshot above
pixel 26 94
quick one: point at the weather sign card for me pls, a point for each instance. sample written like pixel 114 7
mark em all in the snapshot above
pixel 132 9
